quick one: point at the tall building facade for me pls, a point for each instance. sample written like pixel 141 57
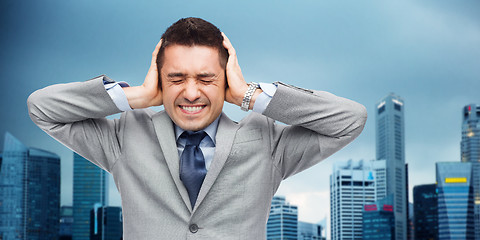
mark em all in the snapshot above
pixel 89 187
pixel 380 168
pixel 352 185
pixel 106 223
pixel 66 222
pixel 390 146
pixel 282 222
pixel 378 220
pixel 29 192
pixel 309 231
pixel 455 201
pixel 425 207
pixel 470 152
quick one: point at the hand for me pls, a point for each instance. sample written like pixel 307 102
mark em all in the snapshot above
pixel 236 83
pixel 149 93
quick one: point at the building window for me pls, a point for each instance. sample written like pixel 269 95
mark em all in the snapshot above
pixel 381 109
pixel 397 107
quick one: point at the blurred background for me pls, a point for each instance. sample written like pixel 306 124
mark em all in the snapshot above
pixel 427 52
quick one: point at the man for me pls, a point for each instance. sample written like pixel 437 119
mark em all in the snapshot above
pixel 189 172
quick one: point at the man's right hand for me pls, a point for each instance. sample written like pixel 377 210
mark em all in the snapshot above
pixel 149 93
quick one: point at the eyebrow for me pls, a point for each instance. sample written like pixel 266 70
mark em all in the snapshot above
pixel 204 75
pixel 201 75
pixel 177 74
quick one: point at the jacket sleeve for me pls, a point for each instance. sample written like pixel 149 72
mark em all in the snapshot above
pixel 318 125
pixel 74 114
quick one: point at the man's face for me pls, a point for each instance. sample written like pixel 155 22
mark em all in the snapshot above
pixel 193 85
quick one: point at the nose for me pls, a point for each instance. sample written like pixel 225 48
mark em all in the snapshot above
pixel 191 91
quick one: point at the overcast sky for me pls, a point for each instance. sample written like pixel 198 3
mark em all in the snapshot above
pixel 427 52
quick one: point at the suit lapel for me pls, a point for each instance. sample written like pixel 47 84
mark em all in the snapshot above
pixel 166 136
pixel 224 140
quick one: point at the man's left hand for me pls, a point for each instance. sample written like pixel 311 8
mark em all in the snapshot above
pixel 236 83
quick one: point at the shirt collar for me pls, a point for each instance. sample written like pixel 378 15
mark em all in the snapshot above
pixel 211 130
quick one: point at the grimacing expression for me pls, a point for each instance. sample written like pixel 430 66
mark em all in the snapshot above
pixel 193 85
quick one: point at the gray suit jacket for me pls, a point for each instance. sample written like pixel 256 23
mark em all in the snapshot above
pixel 251 157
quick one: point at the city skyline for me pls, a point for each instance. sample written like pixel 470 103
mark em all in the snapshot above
pixel 29 192
pixel 427 52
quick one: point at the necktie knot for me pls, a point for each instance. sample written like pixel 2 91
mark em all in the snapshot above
pixel 194 138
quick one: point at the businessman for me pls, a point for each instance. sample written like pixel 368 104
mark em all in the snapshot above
pixel 189 172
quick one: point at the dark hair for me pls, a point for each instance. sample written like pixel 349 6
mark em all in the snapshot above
pixel 193 32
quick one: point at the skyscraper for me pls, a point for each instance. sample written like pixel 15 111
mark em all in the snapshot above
pixel 470 152
pixel 390 146
pixel 352 185
pixel 66 222
pixel 283 220
pixel 89 187
pixel 378 220
pixel 29 192
pixel 380 168
pixel 425 206
pixel 309 231
pixel 455 201
pixel 106 223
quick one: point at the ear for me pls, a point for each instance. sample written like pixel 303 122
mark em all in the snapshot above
pixel 226 80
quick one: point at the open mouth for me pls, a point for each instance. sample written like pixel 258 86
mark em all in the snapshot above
pixel 192 109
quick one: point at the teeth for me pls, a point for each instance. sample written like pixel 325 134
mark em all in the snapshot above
pixel 192 109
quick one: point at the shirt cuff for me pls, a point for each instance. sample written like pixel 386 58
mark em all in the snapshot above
pixel 118 95
pixel 265 97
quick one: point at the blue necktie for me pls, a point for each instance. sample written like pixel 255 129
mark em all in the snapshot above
pixel 192 164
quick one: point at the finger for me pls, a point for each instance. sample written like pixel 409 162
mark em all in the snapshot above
pixel 155 52
pixel 228 45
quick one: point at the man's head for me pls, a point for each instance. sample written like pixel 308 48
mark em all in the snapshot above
pixel 193 32
pixel 191 64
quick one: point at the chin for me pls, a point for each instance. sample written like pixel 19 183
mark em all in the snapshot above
pixel 192 127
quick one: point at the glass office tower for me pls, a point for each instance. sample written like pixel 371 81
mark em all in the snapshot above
pixel 390 146
pixel 455 201
pixel 66 222
pixel 352 185
pixel 425 207
pixel 378 220
pixel 89 187
pixel 309 231
pixel 470 152
pixel 283 220
pixel 29 192
pixel 106 223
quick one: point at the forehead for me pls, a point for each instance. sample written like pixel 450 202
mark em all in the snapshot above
pixel 191 58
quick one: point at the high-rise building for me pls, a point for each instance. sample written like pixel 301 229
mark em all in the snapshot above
pixel 410 215
pixel 378 220
pixel 425 206
pixel 29 192
pixel 470 152
pixel 309 231
pixel 106 223
pixel 455 201
pixel 66 223
pixel 390 146
pixel 470 145
pixel 380 168
pixel 352 185
pixel 283 220
pixel 89 187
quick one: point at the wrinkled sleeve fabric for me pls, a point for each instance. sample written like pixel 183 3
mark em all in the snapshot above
pixel 74 114
pixel 318 124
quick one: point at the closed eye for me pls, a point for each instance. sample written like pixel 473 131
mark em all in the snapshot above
pixel 207 78
pixel 206 81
